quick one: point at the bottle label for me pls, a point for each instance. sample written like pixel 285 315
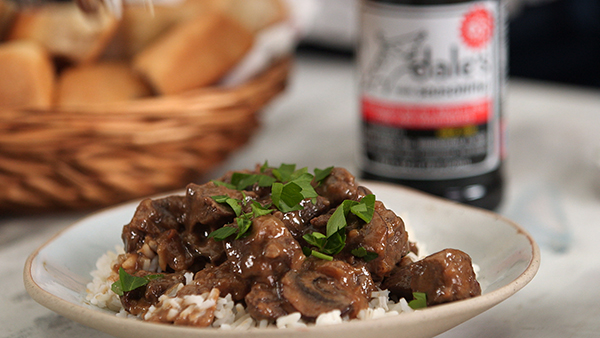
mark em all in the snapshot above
pixel 431 85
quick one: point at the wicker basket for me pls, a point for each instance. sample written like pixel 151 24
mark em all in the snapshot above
pixel 53 160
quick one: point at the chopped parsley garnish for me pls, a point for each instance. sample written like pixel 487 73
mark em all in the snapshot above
pixel 334 241
pixel 222 233
pixel 243 220
pixel 310 252
pixel 241 181
pixel 320 175
pixel 128 282
pixel 361 252
pixel 419 301
pixel 286 172
pixel 289 187
pixel 235 204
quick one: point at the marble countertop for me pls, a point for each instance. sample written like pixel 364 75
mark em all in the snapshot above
pixel 553 190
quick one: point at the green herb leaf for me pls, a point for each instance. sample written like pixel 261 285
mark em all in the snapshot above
pixel 336 225
pixel 286 196
pixel 316 239
pixel 264 167
pixel 419 301
pixel 222 233
pixel 259 210
pixel 361 252
pixel 335 243
pixel 220 198
pixel 265 181
pixel 244 224
pixel 299 174
pixel 128 282
pixel 116 288
pixel 276 190
pixel 370 256
pixel 320 175
pixel 337 221
pixel 242 181
pixel 291 194
pixel 310 252
pixel 288 186
pixel 284 172
pixel 304 182
pixel 365 208
pixel 223 184
pixel 243 221
pixel 321 255
pixel 235 205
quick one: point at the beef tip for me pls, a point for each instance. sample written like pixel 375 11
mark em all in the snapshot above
pixel 152 217
pixel 385 235
pixel 139 300
pixel 298 222
pixel 202 209
pixel 319 223
pixel 220 277
pixel 205 215
pixel 267 253
pixel 323 286
pixel 265 302
pixel 413 247
pixel 444 276
pixel 340 185
pixel 159 286
pixel 172 253
pixel 204 250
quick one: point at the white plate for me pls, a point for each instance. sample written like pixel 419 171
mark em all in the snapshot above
pixel 57 273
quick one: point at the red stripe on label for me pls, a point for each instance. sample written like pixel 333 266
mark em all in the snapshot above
pixel 416 116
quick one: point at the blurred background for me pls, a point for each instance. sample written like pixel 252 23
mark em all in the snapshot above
pixel 552 40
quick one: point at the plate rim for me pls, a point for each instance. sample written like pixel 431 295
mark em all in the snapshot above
pixel 92 317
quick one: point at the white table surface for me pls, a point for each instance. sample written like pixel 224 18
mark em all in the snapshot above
pixel 553 190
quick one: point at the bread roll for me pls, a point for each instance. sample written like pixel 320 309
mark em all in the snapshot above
pixel 7 13
pixel 254 14
pixel 101 82
pixel 141 25
pixel 194 54
pixel 26 75
pixel 65 31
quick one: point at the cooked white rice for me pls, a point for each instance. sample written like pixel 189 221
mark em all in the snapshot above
pixel 227 314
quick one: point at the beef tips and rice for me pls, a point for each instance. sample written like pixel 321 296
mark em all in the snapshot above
pixel 273 246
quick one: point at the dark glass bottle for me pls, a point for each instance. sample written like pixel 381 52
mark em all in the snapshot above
pixel 432 76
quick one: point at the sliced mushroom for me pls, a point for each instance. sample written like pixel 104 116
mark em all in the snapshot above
pixel 325 286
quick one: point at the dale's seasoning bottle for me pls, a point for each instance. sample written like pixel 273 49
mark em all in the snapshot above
pixel 432 75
